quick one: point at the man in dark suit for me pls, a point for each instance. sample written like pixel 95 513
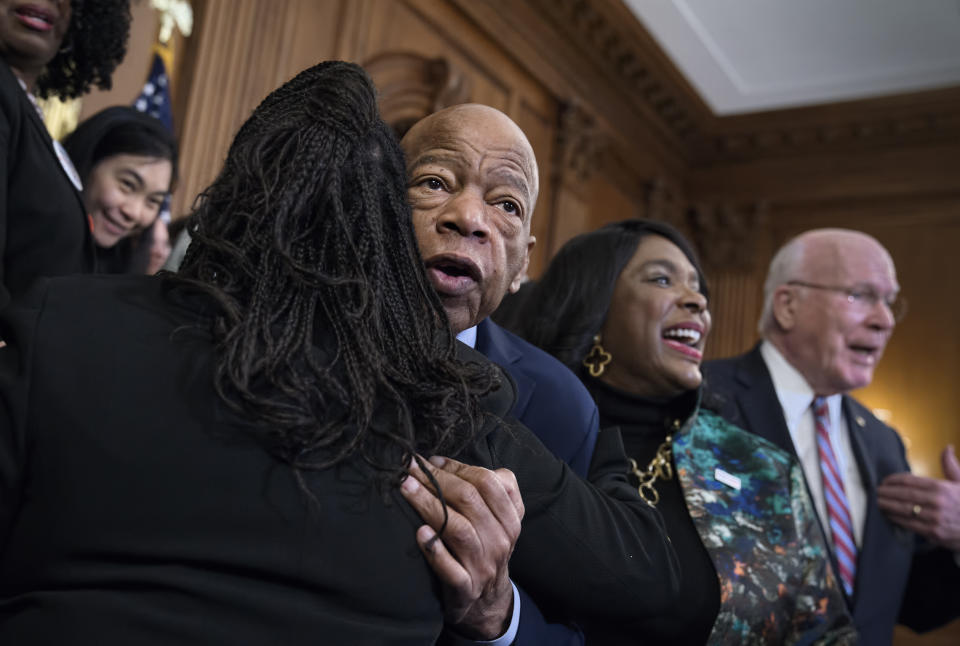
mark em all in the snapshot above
pixel 831 303
pixel 473 186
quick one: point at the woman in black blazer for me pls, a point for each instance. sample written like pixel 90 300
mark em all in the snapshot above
pixel 47 47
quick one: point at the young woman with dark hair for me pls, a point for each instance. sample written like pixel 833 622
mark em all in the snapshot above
pixel 127 161
pixel 625 307
pixel 48 47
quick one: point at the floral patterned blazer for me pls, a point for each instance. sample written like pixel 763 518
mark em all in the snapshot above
pixel 748 501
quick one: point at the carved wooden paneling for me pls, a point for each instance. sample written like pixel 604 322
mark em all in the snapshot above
pixel 727 235
pixel 736 299
pixel 438 31
pixel 243 50
pixel 412 86
pixel 539 124
pixel 902 171
pixel 860 126
pixel 577 151
pixel 541 38
pixel 618 47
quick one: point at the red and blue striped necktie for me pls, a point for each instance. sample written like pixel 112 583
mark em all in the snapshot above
pixel 841 527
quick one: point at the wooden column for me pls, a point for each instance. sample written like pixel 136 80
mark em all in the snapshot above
pixel 579 146
pixel 243 49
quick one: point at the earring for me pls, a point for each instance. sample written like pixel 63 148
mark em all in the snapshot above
pixel 598 358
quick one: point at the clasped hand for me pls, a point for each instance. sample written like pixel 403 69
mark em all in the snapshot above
pixel 471 558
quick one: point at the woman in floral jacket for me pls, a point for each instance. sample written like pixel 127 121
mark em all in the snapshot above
pixel 626 308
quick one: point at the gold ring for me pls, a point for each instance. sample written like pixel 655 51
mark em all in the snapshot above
pixel 916 510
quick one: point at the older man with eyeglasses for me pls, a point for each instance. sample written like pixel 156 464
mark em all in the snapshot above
pixel 831 301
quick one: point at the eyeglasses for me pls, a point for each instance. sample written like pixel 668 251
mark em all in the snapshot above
pixel 864 298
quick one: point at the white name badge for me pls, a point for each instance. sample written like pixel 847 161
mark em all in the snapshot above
pixel 727 478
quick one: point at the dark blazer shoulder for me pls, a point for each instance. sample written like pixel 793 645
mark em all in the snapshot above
pixel 863 417
pixel 506 348
pixel 744 389
pixel 42 217
pixel 551 400
pixel 742 368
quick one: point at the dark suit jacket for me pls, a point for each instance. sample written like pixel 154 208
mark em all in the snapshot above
pixel 553 403
pixel 898 578
pixel 133 510
pixel 43 225
pixel 551 400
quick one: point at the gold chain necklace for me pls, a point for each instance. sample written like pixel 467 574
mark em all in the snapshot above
pixel 660 468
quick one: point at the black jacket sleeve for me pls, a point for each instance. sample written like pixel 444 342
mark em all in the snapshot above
pixel 589 549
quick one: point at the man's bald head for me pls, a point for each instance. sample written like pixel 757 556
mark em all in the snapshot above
pixel 477 122
pixel 827 306
pixel 472 183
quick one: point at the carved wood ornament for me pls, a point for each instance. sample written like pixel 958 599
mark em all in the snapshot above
pixel 412 86
pixel 728 235
pixel 580 144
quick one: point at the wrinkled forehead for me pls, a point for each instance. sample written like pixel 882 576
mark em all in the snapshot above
pixel 472 133
pixel 856 261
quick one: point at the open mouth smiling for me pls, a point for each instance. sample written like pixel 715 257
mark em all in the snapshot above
pixel 685 338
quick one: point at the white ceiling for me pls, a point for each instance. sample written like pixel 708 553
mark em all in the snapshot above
pixel 752 55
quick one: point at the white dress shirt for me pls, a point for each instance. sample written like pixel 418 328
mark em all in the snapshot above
pixel 796 399
pixel 468 336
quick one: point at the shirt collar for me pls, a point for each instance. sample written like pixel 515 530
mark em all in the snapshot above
pixel 795 394
pixel 469 336
pixel 33 99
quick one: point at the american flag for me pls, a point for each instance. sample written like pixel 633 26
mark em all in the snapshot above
pixel 154 99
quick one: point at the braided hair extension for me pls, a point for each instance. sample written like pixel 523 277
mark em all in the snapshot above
pixel 95 43
pixel 328 334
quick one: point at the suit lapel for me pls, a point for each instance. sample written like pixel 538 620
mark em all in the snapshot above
pixel 758 402
pixel 856 426
pixel 40 130
pixel 493 343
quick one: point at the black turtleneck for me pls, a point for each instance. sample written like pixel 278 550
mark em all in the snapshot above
pixel 645 424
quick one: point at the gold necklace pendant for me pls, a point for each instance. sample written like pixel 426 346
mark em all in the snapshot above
pixel 660 468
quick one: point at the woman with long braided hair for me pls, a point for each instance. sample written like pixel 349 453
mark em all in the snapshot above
pixel 314 297
pixel 213 457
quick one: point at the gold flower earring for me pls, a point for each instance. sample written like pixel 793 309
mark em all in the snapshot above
pixel 598 358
